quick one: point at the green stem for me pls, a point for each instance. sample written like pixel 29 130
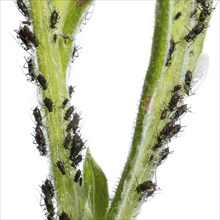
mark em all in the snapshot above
pixel 159 82
pixel 52 60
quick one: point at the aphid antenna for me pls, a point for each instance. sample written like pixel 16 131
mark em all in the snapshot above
pixel 88 14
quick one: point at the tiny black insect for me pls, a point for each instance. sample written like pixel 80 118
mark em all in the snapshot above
pixel 71 90
pixel 177 88
pixel 61 167
pixel 180 111
pixel 23 37
pixel 156 146
pixel 48 188
pixel 73 124
pixel 178 14
pixel 68 113
pixel 75 150
pixel 22 7
pixel 64 103
pixel 164 155
pixel 30 36
pixel 198 29
pixel 77 176
pixel 39 131
pixel 48 103
pixel 76 119
pixel 55 38
pixel 204 14
pixel 64 216
pixel 76 161
pixel 188 79
pixel 70 126
pixel 67 141
pixel 30 67
pixel 170 52
pixel 174 101
pixel 37 116
pixel 42 81
pixel 147 186
pixel 164 114
pixel 167 129
pixel 76 139
pixel 39 138
pixel 175 130
pixel 53 19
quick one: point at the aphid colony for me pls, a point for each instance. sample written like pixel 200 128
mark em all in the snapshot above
pixel 73 143
pixel 174 110
pixel 205 11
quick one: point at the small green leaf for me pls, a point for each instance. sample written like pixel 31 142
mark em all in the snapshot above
pixel 95 190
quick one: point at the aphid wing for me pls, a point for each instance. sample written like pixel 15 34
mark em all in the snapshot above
pixel 200 71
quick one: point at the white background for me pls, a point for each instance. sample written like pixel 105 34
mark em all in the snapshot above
pixel 108 77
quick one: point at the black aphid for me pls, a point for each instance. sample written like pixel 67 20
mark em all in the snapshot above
pixel 178 14
pixel 68 113
pixel 180 111
pixel 24 38
pixel 170 52
pixel 188 79
pixel 31 73
pixel 61 167
pixel 167 130
pixel 76 148
pixel 73 124
pixel 198 29
pixel 55 38
pixel 71 90
pixel 174 101
pixel 164 114
pixel 64 216
pixel 48 103
pixel 175 130
pixel 22 7
pixel 48 188
pixel 30 36
pixel 53 19
pixel 77 176
pixel 76 161
pixel 147 186
pixel 67 141
pixel 177 88
pixel 37 116
pixel 156 146
pixel 76 119
pixel 164 154
pixel 39 138
pixel 42 81
pixel 64 103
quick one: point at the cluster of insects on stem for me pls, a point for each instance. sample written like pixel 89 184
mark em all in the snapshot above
pixel 73 143
pixel 175 108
